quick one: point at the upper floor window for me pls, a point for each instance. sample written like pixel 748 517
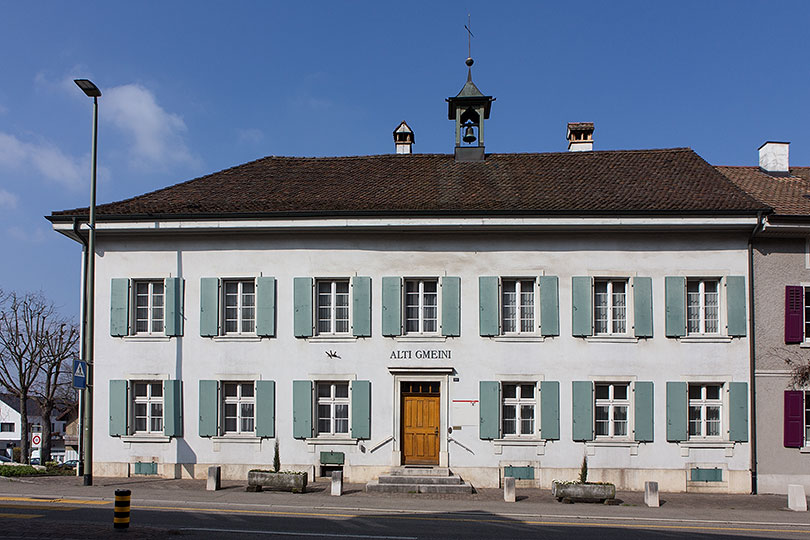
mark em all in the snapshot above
pixel 333 408
pixel 238 407
pixel 239 306
pixel 148 307
pixel 421 306
pixel 610 306
pixel 6 426
pixel 703 306
pixel 147 406
pixel 612 404
pixel 517 306
pixel 333 306
pixel 518 412
pixel 705 407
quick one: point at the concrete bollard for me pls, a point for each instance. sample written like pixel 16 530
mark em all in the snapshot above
pixel 651 494
pixel 337 483
pixel 121 509
pixel 508 489
pixel 797 500
pixel 214 478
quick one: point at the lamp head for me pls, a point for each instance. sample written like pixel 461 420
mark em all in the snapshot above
pixel 90 89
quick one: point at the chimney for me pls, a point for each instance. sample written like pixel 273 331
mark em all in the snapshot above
pixel 403 138
pixel 773 158
pixel 580 136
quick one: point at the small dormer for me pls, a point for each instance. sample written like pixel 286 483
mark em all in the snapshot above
pixel 580 136
pixel 403 138
pixel 469 109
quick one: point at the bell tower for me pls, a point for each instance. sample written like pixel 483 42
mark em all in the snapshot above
pixel 469 109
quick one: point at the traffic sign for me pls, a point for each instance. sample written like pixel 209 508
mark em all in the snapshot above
pixel 79 374
pixel 36 439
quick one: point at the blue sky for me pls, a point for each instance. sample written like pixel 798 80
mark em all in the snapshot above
pixel 195 87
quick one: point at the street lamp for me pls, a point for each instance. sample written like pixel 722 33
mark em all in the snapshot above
pixel 91 90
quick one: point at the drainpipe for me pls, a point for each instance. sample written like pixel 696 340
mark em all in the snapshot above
pixel 752 352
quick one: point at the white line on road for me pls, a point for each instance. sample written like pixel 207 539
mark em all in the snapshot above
pixel 295 533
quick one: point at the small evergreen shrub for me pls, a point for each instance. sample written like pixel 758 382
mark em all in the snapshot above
pixel 276 460
pixel 583 471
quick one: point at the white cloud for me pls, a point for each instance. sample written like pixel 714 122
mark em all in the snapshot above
pixel 250 135
pixel 8 200
pixel 158 137
pixel 43 157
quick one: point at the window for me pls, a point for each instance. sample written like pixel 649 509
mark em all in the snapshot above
pixel 421 306
pixel 807 418
pixel 806 313
pixel 610 306
pixel 239 307
pixel 333 307
pixel 703 306
pixel 36 428
pixel 333 408
pixel 6 427
pixel 148 305
pixel 517 306
pixel 147 407
pixel 611 409
pixel 238 407
pixel 519 404
pixel 705 406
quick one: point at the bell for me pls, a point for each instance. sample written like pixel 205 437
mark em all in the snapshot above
pixel 469 136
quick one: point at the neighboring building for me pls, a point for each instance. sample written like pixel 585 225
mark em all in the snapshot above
pixel 491 313
pixel 781 257
pixel 70 421
pixel 10 427
pixel 9 424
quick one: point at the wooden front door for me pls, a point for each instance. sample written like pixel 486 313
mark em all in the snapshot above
pixel 420 424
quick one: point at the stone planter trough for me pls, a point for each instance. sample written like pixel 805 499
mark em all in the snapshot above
pixel 583 492
pixel 296 483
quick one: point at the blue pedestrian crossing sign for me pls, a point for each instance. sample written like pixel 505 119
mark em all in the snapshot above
pixel 79 374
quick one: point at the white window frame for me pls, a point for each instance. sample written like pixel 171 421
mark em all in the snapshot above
pixel 332 307
pixel 151 297
pixel 611 320
pixel 703 403
pixel 4 424
pixel 239 400
pixel 148 401
pixel 518 306
pixel 333 401
pixel 612 403
pixel 805 311
pixel 519 402
pixel 421 306
pixel 240 319
pixel 702 306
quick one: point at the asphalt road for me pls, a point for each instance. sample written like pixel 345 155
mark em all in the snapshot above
pixel 28 518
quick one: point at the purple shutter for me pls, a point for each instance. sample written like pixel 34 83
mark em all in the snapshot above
pixel 794 418
pixel 794 333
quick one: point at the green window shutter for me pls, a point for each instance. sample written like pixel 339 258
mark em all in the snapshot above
pixel 361 306
pixel 265 408
pixel 451 306
pixel 391 306
pixel 266 307
pixel 738 412
pixel 119 307
pixel 735 301
pixel 209 307
pixel 582 403
pixel 677 410
pixel 550 410
pixel 549 306
pixel 489 404
pixel 173 408
pixel 488 313
pixel 119 399
pixel 302 409
pixel 582 306
pixel 174 306
pixel 675 292
pixel 302 301
pixel 361 409
pixel 644 411
pixel 209 407
pixel 642 307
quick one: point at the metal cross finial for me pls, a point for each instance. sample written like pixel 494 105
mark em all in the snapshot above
pixel 469 35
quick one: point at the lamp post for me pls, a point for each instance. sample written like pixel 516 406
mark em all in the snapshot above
pixel 91 90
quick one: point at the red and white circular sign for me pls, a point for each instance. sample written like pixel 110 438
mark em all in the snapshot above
pixel 36 439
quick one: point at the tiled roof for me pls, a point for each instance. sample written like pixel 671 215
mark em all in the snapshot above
pixel 787 195
pixel 576 183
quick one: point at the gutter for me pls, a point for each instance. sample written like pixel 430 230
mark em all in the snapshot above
pixel 752 351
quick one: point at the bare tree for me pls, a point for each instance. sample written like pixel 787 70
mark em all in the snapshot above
pixel 52 388
pixel 24 321
pixel 798 361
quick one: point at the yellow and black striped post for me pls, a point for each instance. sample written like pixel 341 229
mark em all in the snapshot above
pixel 121 519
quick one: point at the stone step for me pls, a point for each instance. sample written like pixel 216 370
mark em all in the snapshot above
pixel 376 487
pixel 399 479
pixel 414 470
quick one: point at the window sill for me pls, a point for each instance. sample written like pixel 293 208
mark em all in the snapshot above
pixel 237 338
pixel 426 338
pixel 145 438
pixel 146 338
pixel 517 338
pixel 539 444
pixel 705 339
pixel 591 446
pixel 332 338
pixel 707 443
pixel 611 339
pixel 805 449
pixel 237 439
pixel 805 345
pixel 342 441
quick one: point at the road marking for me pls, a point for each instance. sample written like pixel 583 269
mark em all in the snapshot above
pixel 295 533
pixel 52 500
pixel 19 516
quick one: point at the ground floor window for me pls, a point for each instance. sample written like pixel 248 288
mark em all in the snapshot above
pixel 611 409
pixel 518 412
pixel 705 407
pixel 147 397
pixel 333 408
pixel 238 407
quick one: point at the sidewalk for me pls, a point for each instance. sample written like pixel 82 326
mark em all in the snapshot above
pixel 534 503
